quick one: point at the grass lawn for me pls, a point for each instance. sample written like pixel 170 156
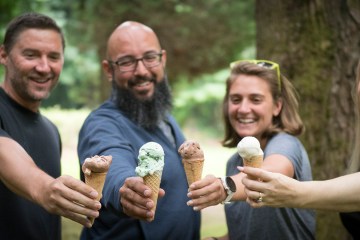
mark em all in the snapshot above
pixel 69 123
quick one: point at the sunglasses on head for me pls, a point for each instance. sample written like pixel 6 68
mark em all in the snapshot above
pixel 262 63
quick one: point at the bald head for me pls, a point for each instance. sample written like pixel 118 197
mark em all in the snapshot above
pixel 131 36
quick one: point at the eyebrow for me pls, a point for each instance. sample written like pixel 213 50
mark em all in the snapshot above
pixel 147 52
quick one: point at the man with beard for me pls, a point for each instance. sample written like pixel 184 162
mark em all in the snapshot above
pixel 137 112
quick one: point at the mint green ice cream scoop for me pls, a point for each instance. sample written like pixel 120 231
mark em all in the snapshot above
pixel 151 159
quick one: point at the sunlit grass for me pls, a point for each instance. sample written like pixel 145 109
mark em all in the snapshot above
pixel 69 123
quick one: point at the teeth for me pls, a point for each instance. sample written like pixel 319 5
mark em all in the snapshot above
pixel 40 80
pixel 246 120
pixel 142 84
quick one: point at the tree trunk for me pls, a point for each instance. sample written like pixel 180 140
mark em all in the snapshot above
pixel 317 44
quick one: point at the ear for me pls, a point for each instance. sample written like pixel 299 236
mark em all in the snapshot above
pixel 277 107
pixel 108 70
pixel 3 55
pixel 163 58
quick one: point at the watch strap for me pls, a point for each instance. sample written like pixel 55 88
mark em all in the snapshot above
pixel 228 192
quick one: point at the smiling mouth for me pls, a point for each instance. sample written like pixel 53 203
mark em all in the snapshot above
pixel 40 80
pixel 142 84
pixel 245 121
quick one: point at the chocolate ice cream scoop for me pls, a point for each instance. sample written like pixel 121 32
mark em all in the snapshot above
pixel 96 164
pixel 191 150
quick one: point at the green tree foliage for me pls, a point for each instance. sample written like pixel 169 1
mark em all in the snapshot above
pixel 200 37
pixel 79 81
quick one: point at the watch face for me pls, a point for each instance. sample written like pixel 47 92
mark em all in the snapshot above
pixel 231 184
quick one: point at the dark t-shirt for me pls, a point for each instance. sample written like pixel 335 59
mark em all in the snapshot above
pixel 20 218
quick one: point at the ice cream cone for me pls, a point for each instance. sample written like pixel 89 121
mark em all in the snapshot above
pixel 96 181
pixel 253 161
pixel 193 169
pixel 193 160
pixel 153 182
pixel 95 169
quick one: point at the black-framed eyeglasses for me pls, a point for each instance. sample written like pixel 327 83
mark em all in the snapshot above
pixel 262 63
pixel 128 64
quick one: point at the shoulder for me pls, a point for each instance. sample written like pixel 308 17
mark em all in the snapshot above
pixel 106 112
pixel 49 123
pixel 282 140
pixel 285 144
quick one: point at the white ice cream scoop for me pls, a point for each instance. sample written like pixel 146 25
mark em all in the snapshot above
pixel 248 147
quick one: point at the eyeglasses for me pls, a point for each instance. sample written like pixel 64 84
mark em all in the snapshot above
pixel 262 63
pixel 128 64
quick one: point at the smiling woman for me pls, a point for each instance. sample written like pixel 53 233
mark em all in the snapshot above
pixel 261 103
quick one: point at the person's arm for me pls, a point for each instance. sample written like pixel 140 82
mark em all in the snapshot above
pixel 274 163
pixel 123 192
pixel 338 194
pixel 64 196
pixel 210 191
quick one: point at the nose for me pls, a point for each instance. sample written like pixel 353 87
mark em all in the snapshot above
pixel 140 68
pixel 43 65
pixel 244 106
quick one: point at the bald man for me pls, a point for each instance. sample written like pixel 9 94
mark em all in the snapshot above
pixel 137 112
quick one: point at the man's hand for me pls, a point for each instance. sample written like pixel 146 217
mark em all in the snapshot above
pixel 65 196
pixel 71 198
pixel 135 199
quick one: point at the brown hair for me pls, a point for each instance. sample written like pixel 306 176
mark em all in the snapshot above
pixel 288 120
pixel 29 21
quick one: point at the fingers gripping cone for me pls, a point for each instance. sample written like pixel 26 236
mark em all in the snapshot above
pixel 96 181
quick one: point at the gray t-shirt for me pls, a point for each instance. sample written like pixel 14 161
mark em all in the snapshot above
pixel 245 222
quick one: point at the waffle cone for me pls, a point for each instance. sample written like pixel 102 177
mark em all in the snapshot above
pixel 254 161
pixel 193 170
pixel 153 182
pixel 96 181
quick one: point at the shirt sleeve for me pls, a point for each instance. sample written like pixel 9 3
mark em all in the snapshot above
pixel 102 134
pixel 290 147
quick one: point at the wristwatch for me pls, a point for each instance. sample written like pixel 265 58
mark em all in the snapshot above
pixel 230 188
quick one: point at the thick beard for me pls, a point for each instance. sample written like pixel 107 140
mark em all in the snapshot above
pixel 145 113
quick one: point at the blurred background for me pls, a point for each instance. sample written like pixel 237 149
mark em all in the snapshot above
pixel 316 43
